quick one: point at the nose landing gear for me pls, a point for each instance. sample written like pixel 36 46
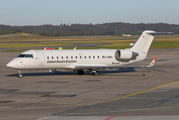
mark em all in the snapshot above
pixel 20 74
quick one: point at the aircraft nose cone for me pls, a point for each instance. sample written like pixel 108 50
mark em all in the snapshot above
pixel 12 63
pixel 9 64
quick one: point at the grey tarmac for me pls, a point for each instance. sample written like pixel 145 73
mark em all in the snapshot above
pixel 65 95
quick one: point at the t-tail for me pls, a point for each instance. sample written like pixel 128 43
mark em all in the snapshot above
pixel 143 43
pixel 139 50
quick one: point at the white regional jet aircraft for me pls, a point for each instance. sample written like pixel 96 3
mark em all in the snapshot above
pixel 126 35
pixel 80 60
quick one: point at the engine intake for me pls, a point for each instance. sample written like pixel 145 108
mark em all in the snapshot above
pixel 125 55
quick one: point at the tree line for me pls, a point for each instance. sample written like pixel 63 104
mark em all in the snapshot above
pixel 90 29
pixel 2 32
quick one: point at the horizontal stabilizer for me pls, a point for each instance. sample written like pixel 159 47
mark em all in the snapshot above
pixel 164 32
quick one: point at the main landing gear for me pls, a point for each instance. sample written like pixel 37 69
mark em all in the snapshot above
pixel 53 70
pixel 80 72
pixel 93 72
pixel 20 74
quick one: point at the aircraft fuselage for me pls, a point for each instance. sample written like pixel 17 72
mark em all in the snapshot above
pixel 65 59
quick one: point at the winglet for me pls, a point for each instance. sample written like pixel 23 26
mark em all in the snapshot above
pixel 152 63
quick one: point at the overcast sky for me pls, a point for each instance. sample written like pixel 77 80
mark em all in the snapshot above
pixel 55 12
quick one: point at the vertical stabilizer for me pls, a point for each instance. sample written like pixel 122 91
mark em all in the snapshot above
pixel 144 41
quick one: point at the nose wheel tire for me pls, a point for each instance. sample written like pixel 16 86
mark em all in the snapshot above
pixel 20 74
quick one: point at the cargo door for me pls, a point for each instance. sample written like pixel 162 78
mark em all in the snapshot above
pixel 41 58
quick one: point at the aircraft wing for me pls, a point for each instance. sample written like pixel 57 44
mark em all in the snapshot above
pixel 104 67
pixel 96 67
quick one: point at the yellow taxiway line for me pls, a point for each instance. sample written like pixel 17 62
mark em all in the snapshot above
pixel 132 94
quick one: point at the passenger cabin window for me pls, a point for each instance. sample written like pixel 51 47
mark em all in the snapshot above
pixel 25 56
pixel 93 56
pixel 71 57
pixel 52 57
pixel 57 57
pixel 62 57
pixel 47 57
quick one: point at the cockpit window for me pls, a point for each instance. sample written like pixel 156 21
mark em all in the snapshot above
pixel 26 56
pixel 29 55
pixel 21 55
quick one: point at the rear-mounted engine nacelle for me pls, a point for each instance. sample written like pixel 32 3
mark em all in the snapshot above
pixel 125 55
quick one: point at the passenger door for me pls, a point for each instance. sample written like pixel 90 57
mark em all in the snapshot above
pixel 41 58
